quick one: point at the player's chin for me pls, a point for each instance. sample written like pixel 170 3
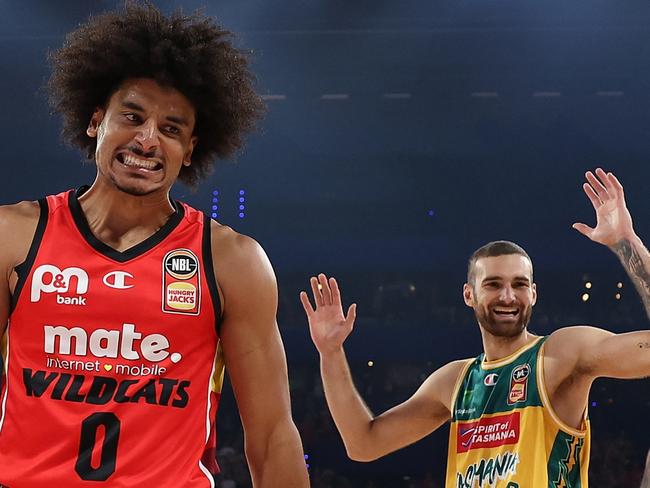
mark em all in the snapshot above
pixel 505 329
pixel 138 188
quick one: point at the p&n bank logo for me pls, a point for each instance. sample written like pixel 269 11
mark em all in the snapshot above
pixel 47 278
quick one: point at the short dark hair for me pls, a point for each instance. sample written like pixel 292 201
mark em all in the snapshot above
pixel 491 249
pixel 187 52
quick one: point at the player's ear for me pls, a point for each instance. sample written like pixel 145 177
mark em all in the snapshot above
pixel 187 158
pixel 534 290
pixel 468 295
pixel 95 120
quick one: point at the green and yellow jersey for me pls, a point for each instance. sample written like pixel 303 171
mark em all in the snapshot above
pixel 504 432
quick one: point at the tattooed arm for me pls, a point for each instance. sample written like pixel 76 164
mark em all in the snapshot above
pixel 614 229
pixel 636 261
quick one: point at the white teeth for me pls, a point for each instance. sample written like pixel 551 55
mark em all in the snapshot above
pixel 138 163
pixel 503 310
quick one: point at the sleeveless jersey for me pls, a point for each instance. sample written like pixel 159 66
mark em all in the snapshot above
pixel 504 432
pixel 112 362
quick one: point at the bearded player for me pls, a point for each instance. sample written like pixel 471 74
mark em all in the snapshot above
pixel 518 411
pixel 119 306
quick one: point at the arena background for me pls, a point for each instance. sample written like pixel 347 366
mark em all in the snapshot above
pixel 400 136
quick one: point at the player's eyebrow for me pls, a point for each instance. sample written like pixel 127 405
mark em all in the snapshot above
pixel 500 278
pixel 171 118
pixel 132 106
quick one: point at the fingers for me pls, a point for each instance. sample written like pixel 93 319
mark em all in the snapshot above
pixel 336 293
pixel 591 194
pixel 602 185
pixel 318 296
pixel 584 229
pixel 596 185
pixel 322 289
pixel 325 289
pixel 306 304
pixel 351 315
pixel 616 185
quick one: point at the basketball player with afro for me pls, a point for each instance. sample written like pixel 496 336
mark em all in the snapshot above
pixel 119 306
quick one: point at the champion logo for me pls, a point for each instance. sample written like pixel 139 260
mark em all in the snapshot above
pixel 120 280
pixel 491 379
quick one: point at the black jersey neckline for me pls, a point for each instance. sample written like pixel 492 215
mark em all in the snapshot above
pixel 133 252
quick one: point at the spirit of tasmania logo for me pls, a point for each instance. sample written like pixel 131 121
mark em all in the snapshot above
pixel 488 432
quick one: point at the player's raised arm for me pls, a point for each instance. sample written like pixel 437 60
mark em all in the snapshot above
pixel 614 229
pixel 365 436
pixel 602 353
pixel 256 363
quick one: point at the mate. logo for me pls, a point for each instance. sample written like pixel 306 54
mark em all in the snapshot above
pixel 181 264
pixel 181 292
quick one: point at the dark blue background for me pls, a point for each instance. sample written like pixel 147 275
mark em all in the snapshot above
pixel 501 107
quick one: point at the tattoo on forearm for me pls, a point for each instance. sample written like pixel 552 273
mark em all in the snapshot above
pixel 636 269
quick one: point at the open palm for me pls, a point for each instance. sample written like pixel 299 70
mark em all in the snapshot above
pixel 328 326
pixel 613 220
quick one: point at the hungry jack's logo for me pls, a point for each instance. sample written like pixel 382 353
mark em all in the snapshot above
pixel 181 287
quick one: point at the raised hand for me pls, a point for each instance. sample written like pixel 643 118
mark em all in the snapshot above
pixel 328 326
pixel 613 220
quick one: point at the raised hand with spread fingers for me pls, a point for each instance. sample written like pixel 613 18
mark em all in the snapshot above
pixel 613 220
pixel 328 326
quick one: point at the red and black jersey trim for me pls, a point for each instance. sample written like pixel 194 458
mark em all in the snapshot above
pixel 23 269
pixel 208 265
pixel 133 252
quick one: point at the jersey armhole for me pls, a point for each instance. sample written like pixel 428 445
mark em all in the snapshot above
pixel 457 385
pixel 210 273
pixel 546 402
pixel 24 268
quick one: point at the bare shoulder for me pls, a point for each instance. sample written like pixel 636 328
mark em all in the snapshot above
pixel 242 269
pixel 19 214
pixel 441 383
pixel 570 340
pixel 233 251
pixel 18 224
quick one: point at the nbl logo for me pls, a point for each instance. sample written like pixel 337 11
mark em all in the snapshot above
pixel 50 279
pixel 181 264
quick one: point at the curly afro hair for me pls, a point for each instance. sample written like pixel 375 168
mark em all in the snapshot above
pixel 189 53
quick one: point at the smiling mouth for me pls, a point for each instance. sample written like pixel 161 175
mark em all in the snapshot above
pixel 131 161
pixel 506 312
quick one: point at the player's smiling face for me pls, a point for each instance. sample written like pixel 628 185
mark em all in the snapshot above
pixel 144 136
pixel 503 294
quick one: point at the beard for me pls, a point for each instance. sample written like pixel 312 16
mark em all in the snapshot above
pixel 503 328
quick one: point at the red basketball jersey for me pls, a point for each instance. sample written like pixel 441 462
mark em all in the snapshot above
pixel 112 364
